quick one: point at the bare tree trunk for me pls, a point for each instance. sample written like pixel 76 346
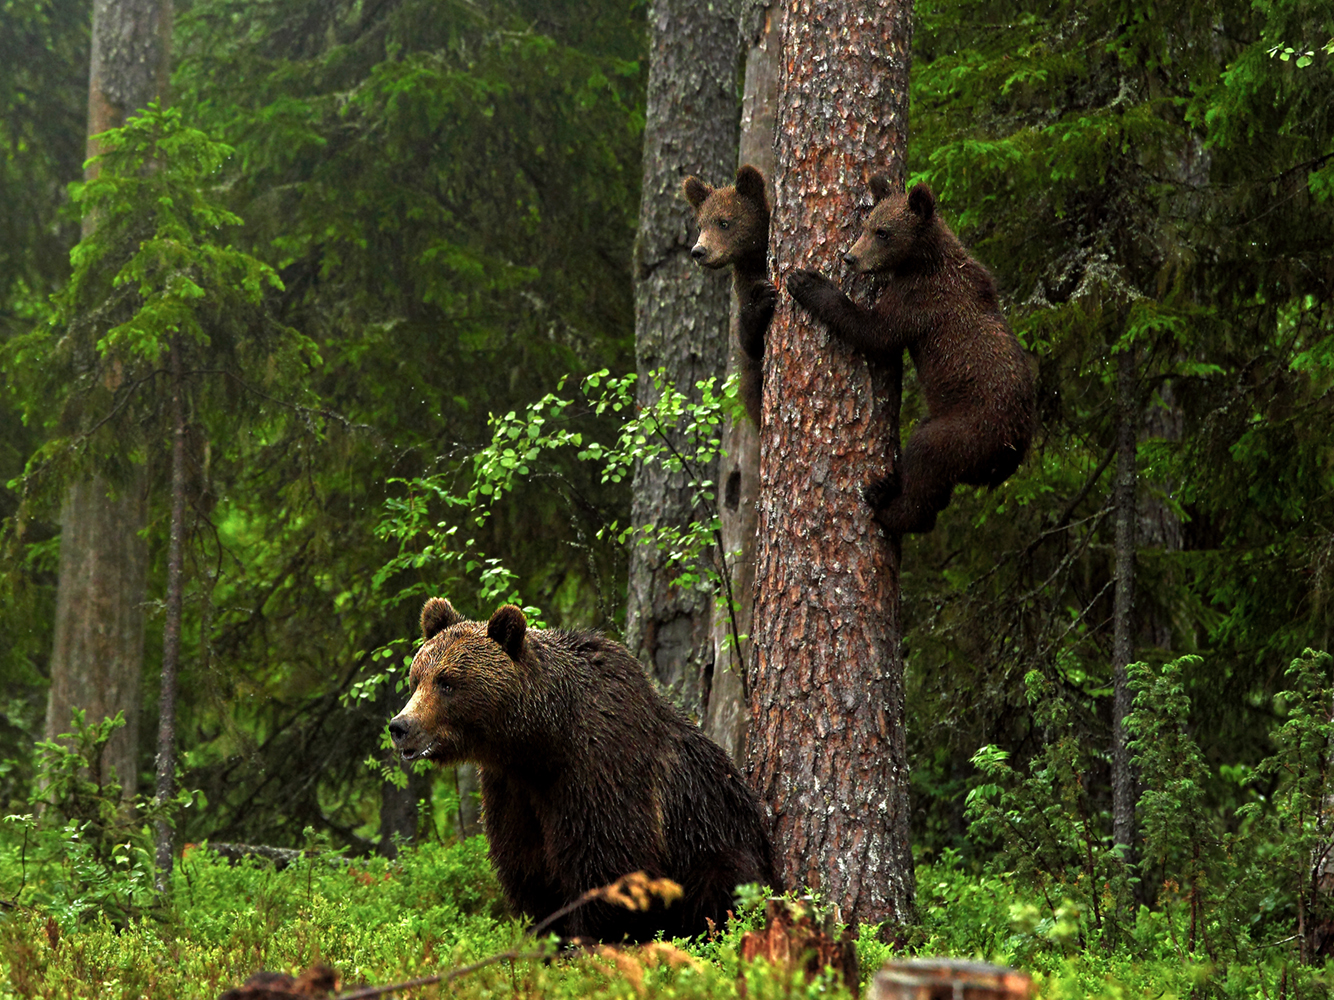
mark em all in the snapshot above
pixel 1123 641
pixel 726 713
pixel 97 656
pixel 681 312
pixel 171 630
pixel 827 746
pixel 98 650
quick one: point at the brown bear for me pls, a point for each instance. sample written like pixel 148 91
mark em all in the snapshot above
pixel 587 773
pixel 734 230
pixel 941 305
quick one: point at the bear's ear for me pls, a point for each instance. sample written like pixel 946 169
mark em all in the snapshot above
pixel 508 626
pixel 750 184
pixel 922 202
pixel 437 615
pixel 880 187
pixel 696 190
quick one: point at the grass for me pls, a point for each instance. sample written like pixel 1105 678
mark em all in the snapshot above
pixel 438 907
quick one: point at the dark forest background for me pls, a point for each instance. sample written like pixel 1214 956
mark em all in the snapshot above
pixel 447 192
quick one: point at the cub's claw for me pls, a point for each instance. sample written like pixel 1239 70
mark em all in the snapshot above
pixel 880 493
pixel 804 285
pixel 763 297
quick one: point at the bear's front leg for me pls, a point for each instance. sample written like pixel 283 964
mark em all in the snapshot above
pixel 755 312
pixel 826 302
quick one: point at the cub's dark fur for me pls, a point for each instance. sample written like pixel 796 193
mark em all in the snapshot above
pixel 587 773
pixel 734 230
pixel 940 304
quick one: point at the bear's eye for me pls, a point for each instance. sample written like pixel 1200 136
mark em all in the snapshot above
pixel 723 223
pixel 443 684
pixel 882 235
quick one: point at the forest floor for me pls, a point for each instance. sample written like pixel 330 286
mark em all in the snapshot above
pixel 438 908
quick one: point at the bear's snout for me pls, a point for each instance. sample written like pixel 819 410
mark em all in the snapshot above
pixel 850 258
pixel 407 737
pixel 698 252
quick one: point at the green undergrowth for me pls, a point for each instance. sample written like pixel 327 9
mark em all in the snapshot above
pixel 438 907
pixel 377 922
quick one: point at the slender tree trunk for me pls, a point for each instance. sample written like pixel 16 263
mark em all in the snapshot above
pixel 726 714
pixel 681 312
pixel 1123 641
pixel 97 655
pixel 827 700
pixel 171 630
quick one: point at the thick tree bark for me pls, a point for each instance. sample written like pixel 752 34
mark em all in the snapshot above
pixel 827 700
pixel 97 655
pixel 171 630
pixel 681 312
pixel 1123 641
pixel 726 714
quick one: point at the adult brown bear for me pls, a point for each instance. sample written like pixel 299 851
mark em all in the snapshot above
pixel 587 773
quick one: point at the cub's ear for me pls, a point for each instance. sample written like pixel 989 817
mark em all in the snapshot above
pixel 922 202
pixel 508 627
pixel 437 615
pixel 695 190
pixel 880 187
pixel 750 184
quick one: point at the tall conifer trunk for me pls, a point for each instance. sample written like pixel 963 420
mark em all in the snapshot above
pixel 97 654
pixel 827 744
pixel 171 633
pixel 681 312
pixel 1123 635
pixel 726 716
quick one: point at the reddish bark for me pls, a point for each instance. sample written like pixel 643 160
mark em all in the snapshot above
pixel 827 701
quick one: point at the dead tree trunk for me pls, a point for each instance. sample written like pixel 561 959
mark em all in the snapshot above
pixel 827 746
pixel 726 714
pixel 681 313
pixel 98 651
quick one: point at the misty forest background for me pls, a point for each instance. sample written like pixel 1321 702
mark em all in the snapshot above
pixel 432 207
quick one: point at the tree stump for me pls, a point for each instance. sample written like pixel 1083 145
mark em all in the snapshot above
pixel 792 939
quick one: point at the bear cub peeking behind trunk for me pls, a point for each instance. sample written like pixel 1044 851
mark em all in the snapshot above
pixel 941 305
pixel 587 773
pixel 734 230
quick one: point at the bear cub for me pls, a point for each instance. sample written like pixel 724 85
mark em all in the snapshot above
pixel 734 230
pixel 587 773
pixel 940 304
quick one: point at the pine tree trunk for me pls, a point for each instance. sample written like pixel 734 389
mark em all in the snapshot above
pixel 171 630
pixel 1123 642
pixel 98 651
pixel 726 714
pixel 681 313
pixel 827 745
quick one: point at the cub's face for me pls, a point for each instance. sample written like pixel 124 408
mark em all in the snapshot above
pixel 733 221
pixel 892 228
pixel 463 684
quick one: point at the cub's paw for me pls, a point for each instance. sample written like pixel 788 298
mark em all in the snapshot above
pixel 812 289
pixel 763 298
pixel 880 493
pixel 756 313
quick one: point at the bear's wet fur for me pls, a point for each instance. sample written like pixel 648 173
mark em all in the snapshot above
pixel 940 304
pixel 734 231
pixel 587 773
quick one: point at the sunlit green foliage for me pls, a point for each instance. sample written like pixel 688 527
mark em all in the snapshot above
pixel 581 442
